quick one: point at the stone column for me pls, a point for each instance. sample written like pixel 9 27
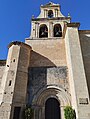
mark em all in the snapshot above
pixel 36 115
pixel 36 30
pixel 56 12
pixel 46 13
pixel 62 112
pixel 43 113
pixel 33 30
pixel 50 32
pixel 77 78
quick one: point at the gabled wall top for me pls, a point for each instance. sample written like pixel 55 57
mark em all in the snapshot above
pixel 50 4
pixel 50 9
pixel 50 22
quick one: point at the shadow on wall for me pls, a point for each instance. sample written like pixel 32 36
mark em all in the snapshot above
pixel 43 72
pixel 38 60
pixel 85 46
pixel 37 73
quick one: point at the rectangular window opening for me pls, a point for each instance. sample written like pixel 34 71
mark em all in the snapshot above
pixel 10 82
pixel 16 112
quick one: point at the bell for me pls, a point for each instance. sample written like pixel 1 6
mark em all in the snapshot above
pixel 57 33
pixel 46 31
pixel 42 33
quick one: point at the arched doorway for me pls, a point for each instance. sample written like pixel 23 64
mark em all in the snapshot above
pixel 52 109
pixel 46 95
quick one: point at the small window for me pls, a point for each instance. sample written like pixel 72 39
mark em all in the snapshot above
pixel 50 14
pixel 13 60
pixel 10 83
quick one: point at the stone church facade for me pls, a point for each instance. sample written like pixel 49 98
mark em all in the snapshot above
pixel 49 71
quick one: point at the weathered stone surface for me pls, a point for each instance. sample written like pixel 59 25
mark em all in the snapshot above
pixel 2 68
pixel 14 80
pixel 40 77
pixel 77 78
pixel 47 52
pixel 85 46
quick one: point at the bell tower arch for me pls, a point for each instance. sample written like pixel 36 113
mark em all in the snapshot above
pixel 50 15
pixel 43 31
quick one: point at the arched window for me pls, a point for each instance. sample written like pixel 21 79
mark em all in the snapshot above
pixel 50 14
pixel 57 30
pixel 43 31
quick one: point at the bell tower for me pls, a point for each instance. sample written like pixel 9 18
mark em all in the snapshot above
pixel 49 23
pixel 48 67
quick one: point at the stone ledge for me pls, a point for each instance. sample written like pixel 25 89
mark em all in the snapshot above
pixel 84 31
pixel 54 18
pixel 19 43
pixel 52 38
pixel 2 62
pixel 74 24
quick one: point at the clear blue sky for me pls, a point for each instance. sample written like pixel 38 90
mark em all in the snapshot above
pixel 15 18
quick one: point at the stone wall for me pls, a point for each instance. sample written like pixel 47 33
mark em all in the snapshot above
pixel 77 78
pixel 1 72
pixel 40 77
pixel 85 45
pixel 14 82
pixel 2 68
pixel 47 65
pixel 47 52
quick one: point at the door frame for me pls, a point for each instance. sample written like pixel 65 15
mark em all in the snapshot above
pixel 40 98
